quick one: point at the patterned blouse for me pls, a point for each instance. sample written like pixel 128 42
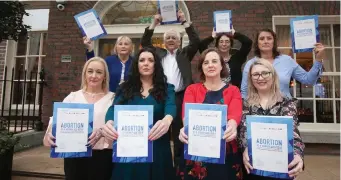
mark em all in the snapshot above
pixel 286 107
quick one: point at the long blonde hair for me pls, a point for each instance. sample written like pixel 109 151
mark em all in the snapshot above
pixel 119 39
pixel 253 98
pixel 105 83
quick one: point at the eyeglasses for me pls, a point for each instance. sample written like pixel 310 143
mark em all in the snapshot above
pixel 264 74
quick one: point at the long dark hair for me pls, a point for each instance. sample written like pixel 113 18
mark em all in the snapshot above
pixel 275 51
pixel 133 86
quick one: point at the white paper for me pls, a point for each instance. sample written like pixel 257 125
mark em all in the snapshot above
pixel 269 156
pixel 204 142
pixel 72 130
pixel 132 142
pixel 90 25
pixel 223 23
pixel 304 33
pixel 168 11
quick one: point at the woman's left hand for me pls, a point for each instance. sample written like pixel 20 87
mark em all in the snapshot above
pixel 159 129
pixel 231 130
pixel 319 51
pixel 297 165
pixel 94 137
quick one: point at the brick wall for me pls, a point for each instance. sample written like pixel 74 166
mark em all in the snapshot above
pixel 64 36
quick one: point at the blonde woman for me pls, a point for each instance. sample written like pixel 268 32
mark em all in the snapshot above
pixel 94 90
pixel 265 98
pixel 118 63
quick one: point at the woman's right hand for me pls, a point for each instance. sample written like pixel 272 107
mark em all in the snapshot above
pixel 49 140
pixel 214 34
pixel 88 43
pixel 246 161
pixel 182 136
pixel 109 131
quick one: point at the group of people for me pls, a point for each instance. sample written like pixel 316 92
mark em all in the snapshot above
pixel 162 78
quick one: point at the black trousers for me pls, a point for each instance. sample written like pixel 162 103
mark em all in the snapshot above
pixel 97 167
pixel 176 126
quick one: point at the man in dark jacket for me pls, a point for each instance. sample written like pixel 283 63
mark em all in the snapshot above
pixel 176 63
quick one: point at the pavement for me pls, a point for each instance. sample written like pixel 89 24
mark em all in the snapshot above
pixel 319 163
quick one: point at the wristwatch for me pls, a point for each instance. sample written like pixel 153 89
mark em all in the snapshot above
pixel 183 22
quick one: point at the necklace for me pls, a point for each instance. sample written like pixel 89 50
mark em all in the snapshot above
pixel 92 95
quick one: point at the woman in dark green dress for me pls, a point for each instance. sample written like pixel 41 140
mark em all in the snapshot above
pixel 146 85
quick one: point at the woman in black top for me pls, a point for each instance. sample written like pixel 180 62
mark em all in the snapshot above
pixel 236 58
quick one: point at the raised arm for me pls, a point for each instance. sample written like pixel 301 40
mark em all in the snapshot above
pixel 146 40
pixel 315 72
pixel 89 48
pixel 203 45
pixel 245 48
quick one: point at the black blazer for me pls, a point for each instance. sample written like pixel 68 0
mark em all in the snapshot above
pixel 184 56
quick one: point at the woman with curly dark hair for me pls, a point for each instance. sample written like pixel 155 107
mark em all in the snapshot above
pixel 146 85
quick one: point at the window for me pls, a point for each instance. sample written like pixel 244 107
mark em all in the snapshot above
pixel 318 103
pixel 25 64
pixel 131 12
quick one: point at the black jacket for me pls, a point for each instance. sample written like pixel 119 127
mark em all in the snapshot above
pixel 184 56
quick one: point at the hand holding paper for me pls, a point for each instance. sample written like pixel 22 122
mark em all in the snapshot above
pixel 231 130
pixel 94 138
pixel 246 161
pixel 109 131
pixel 88 43
pixel 297 163
pixel 49 140
pixel 181 16
pixel 319 51
pixel 159 129
pixel 182 136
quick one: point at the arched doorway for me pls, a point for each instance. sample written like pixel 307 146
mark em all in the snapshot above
pixel 131 18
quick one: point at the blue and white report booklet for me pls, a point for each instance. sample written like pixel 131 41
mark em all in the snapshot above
pixel 270 145
pixel 205 125
pixel 133 124
pixel 72 126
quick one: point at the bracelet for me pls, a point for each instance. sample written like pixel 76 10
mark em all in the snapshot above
pixel 183 22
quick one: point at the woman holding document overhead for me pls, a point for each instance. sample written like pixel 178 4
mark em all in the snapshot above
pixel 235 59
pixel 265 99
pixel 118 63
pixel 213 90
pixel 146 85
pixel 94 90
pixel 285 66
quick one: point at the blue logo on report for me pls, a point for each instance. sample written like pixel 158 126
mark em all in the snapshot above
pixel 269 144
pixel 72 127
pixel 304 32
pixel 204 131
pixel 132 131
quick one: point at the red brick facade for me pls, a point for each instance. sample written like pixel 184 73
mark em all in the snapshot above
pixel 64 36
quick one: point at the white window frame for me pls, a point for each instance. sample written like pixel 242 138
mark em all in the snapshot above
pixel 136 30
pixel 331 129
pixel 10 62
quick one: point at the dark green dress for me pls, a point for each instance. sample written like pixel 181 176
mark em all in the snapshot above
pixel 162 166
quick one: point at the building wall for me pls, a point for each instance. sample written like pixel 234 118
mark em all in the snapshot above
pixel 64 36
pixel 2 63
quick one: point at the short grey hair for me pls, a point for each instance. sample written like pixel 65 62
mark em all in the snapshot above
pixel 172 31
